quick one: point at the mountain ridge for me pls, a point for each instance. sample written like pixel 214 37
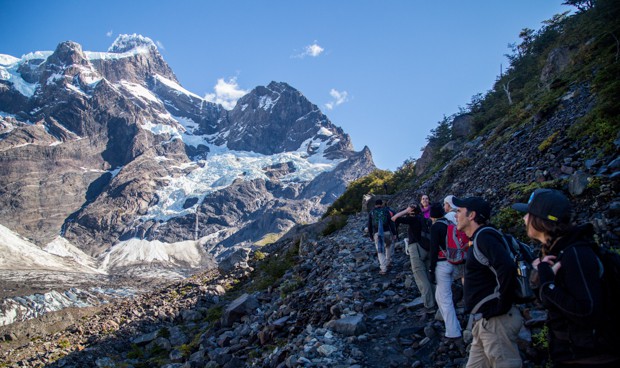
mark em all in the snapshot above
pixel 110 152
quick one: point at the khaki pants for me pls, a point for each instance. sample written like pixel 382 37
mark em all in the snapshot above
pixel 385 258
pixel 495 342
pixel 420 264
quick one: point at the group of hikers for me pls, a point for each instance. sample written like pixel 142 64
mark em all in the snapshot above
pixel 566 276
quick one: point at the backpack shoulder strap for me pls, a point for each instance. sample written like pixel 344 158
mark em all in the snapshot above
pixel 444 221
pixel 480 257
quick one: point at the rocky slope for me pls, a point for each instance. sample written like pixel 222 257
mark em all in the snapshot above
pixel 331 308
pixel 506 164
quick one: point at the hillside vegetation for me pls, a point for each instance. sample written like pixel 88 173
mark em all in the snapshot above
pixel 555 104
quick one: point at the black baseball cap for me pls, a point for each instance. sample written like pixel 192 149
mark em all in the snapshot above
pixel 437 211
pixel 478 204
pixel 548 204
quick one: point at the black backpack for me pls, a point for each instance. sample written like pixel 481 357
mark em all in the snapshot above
pixel 611 297
pixel 425 236
pixel 521 254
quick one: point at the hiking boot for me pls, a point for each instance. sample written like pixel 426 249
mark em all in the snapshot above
pixel 424 311
pixel 455 343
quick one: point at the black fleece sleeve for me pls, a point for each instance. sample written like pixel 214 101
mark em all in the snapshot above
pixel 579 272
pixel 438 242
pixel 492 246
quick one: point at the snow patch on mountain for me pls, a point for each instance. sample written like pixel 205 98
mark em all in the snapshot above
pixel 63 248
pixel 139 251
pixel 125 43
pixel 176 87
pixel 17 253
pixel 266 102
pixel 140 92
pixel 9 73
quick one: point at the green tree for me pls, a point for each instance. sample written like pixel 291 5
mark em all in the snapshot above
pixel 581 5
pixel 350 202
pixel 527 36
pixel 404 174
pixel 442 134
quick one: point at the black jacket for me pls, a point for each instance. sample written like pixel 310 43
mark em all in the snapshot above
pixel 414 230
pixel 438 242
pixel 573 297
pixel 481 281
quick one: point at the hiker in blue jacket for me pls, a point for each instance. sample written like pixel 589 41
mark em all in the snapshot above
pixel 570 284
pixel 382 231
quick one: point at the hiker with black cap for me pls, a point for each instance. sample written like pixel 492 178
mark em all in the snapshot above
pixel 488 289
pixel 570 284
pixel 382 231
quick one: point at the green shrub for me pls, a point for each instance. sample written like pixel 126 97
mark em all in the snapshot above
pixel 541 339
pixel 214 313
pixel 291 285
pixel 404 176
pixel 273 268
pixel 527 189
pixel 335 223
pixel 268 239
pixel 135 353
pixel 163 332
pixel 350 202
pixel 547 142
pixel 511 222
pixel 64 343
pixel 259 256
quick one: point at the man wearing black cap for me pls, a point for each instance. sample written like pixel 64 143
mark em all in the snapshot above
pixel 489 289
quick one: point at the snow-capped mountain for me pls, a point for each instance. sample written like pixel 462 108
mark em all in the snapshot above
pixel 107 154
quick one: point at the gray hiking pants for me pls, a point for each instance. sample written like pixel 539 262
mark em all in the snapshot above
pixel 420 264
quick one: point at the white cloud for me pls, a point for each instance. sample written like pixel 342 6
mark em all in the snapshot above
pixel 109 33
pixel 313 50
pixel 338 98
pixel 226 93
pixel 160 45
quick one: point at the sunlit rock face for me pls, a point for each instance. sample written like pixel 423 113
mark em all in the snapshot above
pixel 107 151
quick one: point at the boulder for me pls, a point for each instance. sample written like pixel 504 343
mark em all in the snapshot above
pixel 243 305
pixel 350 326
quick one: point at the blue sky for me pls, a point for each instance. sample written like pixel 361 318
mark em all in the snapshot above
pixel 384 71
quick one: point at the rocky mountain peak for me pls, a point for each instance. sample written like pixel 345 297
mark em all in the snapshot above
pixel 126 43
pixel 139 61
pixel 68 53
pixel 278 118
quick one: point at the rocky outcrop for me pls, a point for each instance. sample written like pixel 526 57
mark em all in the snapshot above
pixel 557 60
